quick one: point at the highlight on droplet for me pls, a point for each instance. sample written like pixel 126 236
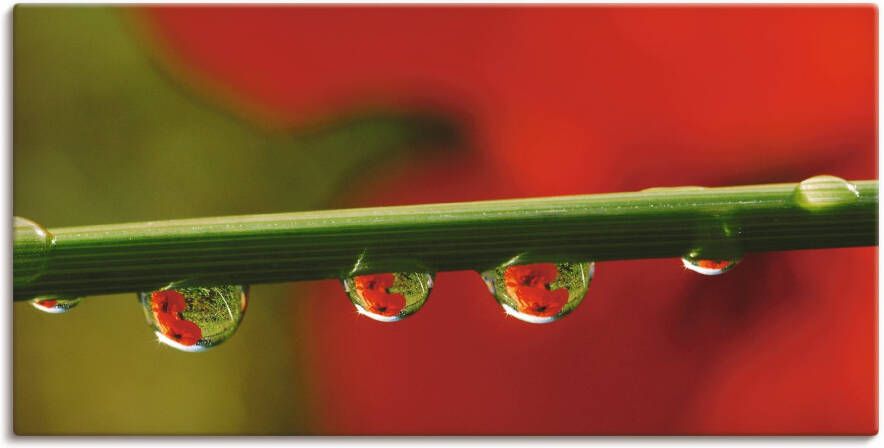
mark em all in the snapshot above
pixel 539 293
pixel 389 297
pixel 194 319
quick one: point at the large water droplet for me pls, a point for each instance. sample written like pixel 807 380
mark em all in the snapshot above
pixel 194 319
pixel 54 305
pixel 821 192
pixel 540 293
pixel 389 297
pixel 709 266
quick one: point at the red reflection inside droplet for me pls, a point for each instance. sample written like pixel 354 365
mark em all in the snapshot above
pixel 166 307
pixel 48 303
pixel 715 264
pixel 373 289
pixel 529 285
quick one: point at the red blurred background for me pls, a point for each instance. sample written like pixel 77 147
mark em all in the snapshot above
pixel 571 100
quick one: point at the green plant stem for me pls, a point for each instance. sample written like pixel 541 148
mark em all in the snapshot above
pixel 669 222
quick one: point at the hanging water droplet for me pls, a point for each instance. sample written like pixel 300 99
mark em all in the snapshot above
pixel 717 248
pixel 389 297
pixel 820 192
pixel 709 266
pixel 194 319
pixel 54 305
pixel 540 293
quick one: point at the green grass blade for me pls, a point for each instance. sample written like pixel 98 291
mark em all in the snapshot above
pixel 670 222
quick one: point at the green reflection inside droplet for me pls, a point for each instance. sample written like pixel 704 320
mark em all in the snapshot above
pixel 822 192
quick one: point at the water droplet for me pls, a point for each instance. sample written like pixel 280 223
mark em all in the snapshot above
pixel 717 248
pixel 389 297
pixel 542 292
pixel 821 192
pixel 709 266
pixel 54 305
pixel 30 250
pixel 194 319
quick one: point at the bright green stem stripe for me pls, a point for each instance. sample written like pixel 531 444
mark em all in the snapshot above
pixel 668 222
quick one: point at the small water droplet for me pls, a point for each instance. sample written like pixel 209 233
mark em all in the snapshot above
pixel 542 292
pixel 709 266
pixel 389 297
pixel 717 247
pixel 194 319
pixel 31 247
pixel 821 192
pixel 54 305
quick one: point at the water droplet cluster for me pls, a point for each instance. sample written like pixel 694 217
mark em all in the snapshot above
pixel 195 319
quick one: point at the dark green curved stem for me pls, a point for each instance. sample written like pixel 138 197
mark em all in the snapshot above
pixel 669 222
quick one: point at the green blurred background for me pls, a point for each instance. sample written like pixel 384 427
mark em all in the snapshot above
pixel 103 133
